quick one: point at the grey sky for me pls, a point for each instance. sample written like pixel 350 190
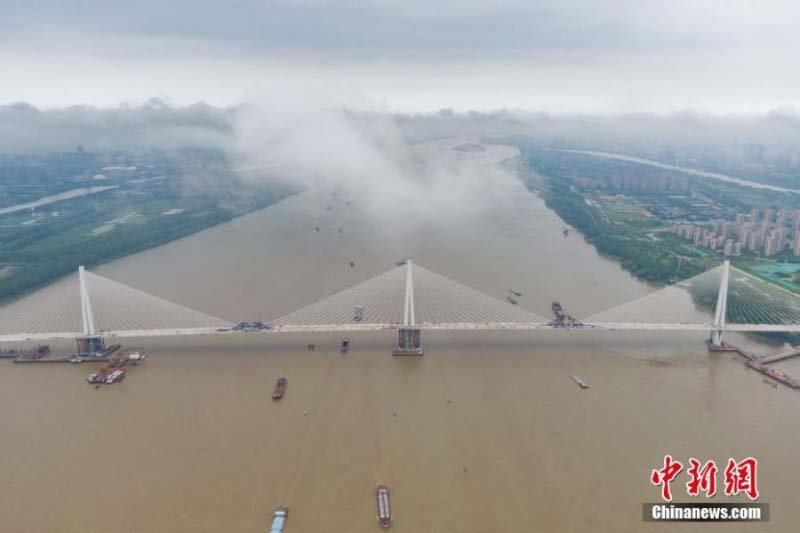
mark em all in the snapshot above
pixel 580 55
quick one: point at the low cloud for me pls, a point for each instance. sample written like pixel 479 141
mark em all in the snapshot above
pixel 310 140
pixel 154 124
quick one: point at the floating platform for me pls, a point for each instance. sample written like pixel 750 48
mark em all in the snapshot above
pixel 761 364
pixel 777 375
pixel 26 353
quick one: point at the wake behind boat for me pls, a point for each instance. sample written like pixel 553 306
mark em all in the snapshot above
pixel 384 511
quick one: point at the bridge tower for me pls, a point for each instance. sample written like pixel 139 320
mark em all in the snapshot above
pixel 715 342
pixel 90 344
pixel 409 336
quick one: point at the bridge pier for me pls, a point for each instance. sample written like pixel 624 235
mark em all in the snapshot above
pixel 409 342
pixel 91 346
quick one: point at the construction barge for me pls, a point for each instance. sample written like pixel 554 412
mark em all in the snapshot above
pixel 562 318
pixel 761 364
pixel 777 375
pixel 100 357
pixel 26 353
pixel 115 371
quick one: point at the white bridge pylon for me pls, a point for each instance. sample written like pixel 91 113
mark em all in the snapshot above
pixel 89 305
pixel 408 296
pixel 721 299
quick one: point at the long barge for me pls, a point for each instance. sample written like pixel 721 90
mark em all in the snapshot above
pixel 26 353
pixel 777 375
pixel 102 357
pixel 384 511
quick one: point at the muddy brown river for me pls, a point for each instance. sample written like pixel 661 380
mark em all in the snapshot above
pixel 486 432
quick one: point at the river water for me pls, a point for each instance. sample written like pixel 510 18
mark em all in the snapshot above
pixel 486 432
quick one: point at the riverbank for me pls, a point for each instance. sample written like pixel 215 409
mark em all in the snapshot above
pixel 42 246
pixel 648 258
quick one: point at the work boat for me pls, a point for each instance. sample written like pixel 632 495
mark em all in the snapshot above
pixel 279 519
pixel 384 511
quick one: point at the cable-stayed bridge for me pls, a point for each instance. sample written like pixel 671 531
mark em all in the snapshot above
pixel 409 299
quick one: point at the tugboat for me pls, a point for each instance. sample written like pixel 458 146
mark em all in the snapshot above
pixel 279 519
pixel 345 345
pixel 96 378
pixel 384 511
pixel 115 376
pixel 280 389
pixel 582 384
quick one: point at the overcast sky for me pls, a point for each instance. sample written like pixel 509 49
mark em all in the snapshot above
pixel 408 55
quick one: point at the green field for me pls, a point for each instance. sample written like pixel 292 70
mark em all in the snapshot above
pixel 786 275
pixel 145 209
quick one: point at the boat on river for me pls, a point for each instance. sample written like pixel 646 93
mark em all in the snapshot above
pixel 384 511
pixel 582 384
pixel 279 519
pixel 280 389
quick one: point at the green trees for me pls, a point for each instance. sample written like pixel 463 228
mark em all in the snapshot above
pixel 638 253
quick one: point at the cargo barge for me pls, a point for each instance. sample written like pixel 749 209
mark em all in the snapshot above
pixel 280 389
pixel 384 511
pixel 761 364
pixel 279 519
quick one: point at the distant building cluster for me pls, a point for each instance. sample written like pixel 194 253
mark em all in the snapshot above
pixel 638 183
pixel 769 236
